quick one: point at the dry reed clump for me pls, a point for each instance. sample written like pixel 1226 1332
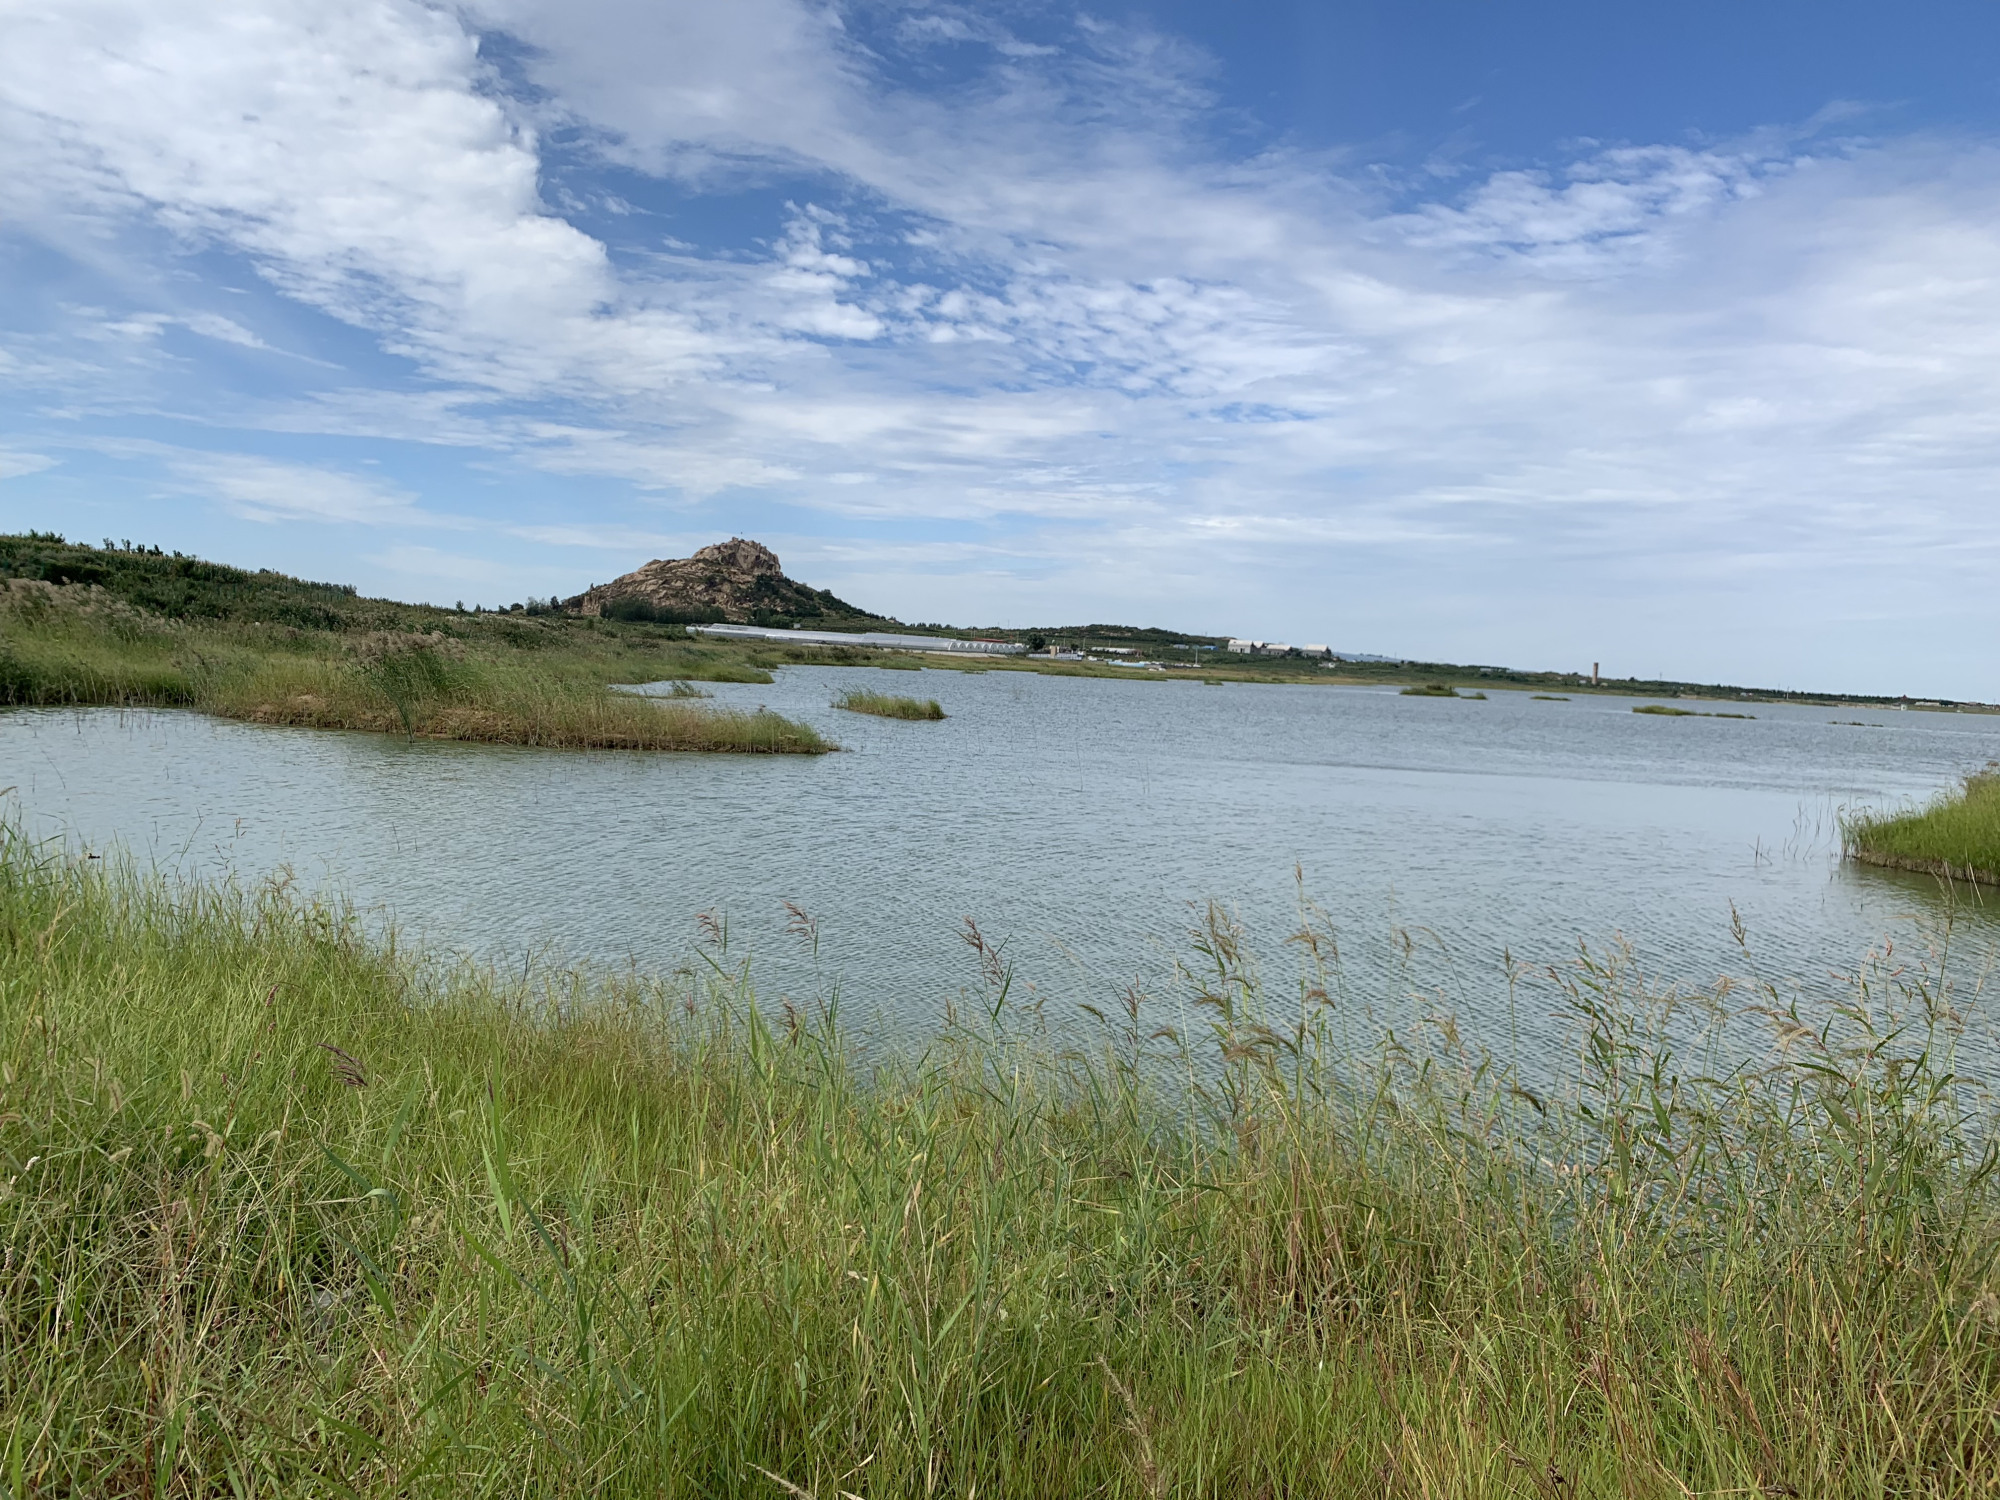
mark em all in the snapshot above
pixel 36 598
pixel 377 646
pixel 286 1212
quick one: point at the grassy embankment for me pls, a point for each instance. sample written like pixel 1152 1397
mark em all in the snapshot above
pixel 275 650
pixel 888 705
pixel 1956 837
pixel 284 1214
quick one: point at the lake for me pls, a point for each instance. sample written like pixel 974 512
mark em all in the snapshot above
pixel 1083 824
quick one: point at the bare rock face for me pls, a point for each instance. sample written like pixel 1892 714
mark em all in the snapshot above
pixel 737 580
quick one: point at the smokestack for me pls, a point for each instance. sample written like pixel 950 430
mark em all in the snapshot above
pixel 1593 674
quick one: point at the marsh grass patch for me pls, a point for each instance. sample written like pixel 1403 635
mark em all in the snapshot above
pixel 1956 836
pixel 888 705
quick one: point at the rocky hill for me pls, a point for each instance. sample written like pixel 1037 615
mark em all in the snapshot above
pixel 738 581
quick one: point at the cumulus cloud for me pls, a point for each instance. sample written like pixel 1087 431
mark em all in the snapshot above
pixel 352 153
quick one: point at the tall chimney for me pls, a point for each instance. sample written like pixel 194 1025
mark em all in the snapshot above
pixel 1593 674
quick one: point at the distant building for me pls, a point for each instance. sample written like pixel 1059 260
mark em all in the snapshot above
pixel 1316 650
pixel 1273 648
pixel 1244 648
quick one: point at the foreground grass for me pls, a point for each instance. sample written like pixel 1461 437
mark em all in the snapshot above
pixel 888 705
pixel 490 678
pixel 1957 836
pixel 286 1214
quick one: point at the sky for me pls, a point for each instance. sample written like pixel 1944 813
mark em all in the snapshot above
pixel 1535 334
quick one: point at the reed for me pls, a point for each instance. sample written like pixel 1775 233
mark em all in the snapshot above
pixel 290 1211
pixel 888 705
pixel 1664 711
pixel 1956 836
pixel 500 681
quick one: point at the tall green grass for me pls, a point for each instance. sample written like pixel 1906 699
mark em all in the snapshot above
pixel 499 680
pixel 888 705
pixel 1957 836
pixel 284 1211
pixel 62 646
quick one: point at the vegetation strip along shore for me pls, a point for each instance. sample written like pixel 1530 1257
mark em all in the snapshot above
pixel 1956 837
pixel 286 1212
pixel 276 651
pixel 189 589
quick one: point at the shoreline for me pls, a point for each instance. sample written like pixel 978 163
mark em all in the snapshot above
pixel 1942 869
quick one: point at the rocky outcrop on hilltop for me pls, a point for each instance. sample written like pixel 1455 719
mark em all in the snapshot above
pixel 737 580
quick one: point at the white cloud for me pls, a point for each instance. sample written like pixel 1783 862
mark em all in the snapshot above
pixel 14 464
pixel 1604 214
pixel 432 565
pixel 620 539
pixel 151 325
pixel 352 152
pixel 1045 308
pixel 261 489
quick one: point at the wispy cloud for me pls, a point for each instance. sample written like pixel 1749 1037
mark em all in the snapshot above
pixel 14 464
pixel 262 489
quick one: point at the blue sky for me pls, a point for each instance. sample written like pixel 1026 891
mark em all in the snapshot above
pixel 1667 337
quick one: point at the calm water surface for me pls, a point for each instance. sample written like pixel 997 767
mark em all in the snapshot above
pixel 1080 822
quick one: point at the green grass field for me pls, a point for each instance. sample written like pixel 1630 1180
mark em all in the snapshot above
pixel 285 1211
pixel 888 705
pixel 1957 836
